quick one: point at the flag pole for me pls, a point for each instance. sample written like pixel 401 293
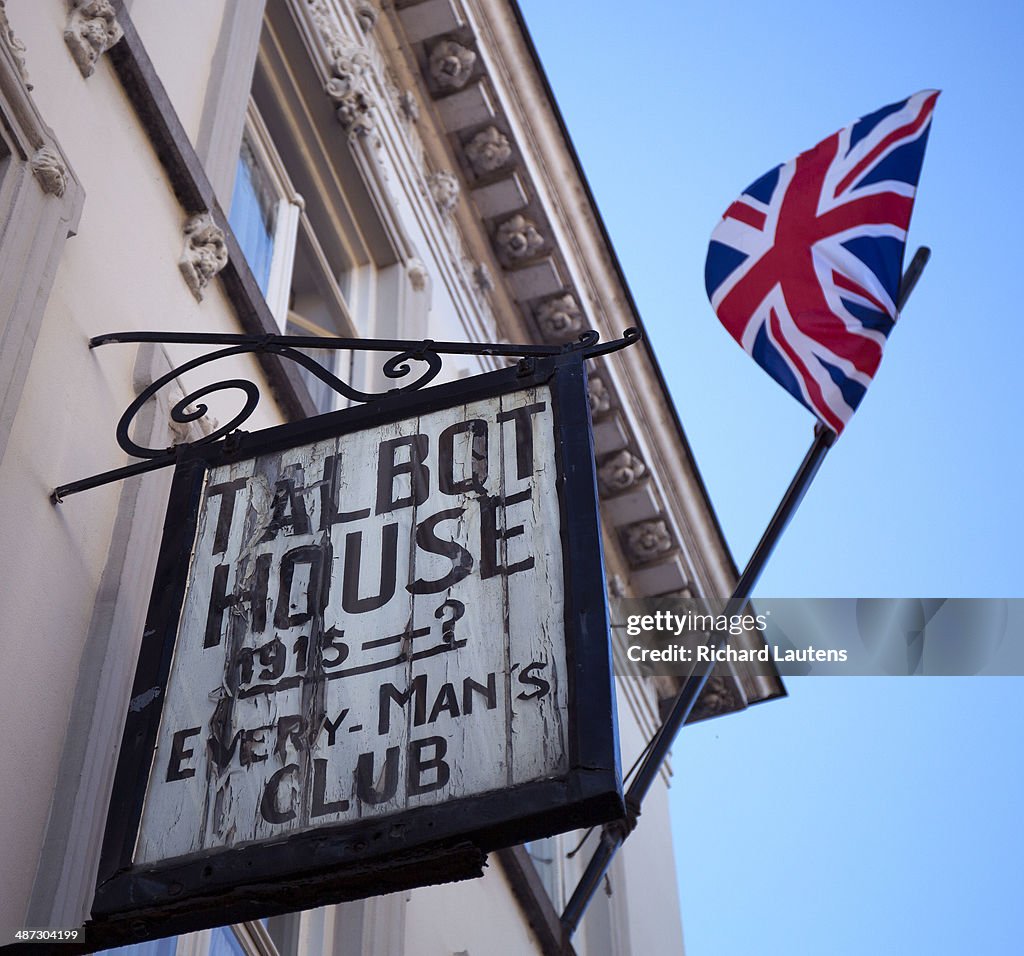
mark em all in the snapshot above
pixel 613 834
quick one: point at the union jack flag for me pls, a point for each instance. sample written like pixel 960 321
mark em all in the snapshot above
pixel 804 268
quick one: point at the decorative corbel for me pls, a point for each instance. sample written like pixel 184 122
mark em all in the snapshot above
pixel 50 171
pixel 91 30
pixel 205 253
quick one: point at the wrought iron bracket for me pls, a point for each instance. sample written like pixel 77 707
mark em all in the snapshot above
pixel 403 355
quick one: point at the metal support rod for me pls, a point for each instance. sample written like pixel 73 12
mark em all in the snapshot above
pixel 588 343
pixel 116 474
pixel 406 353
pixel 911 275
pixel 614 834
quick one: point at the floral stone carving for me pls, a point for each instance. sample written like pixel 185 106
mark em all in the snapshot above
pixel 560 318
pixel 616 587
pixel 409 106
pixel 205 253
pixel 347 87
pixel 647 540
pixel 620 472
pixel 418 275
pixel 488 151
pixel 451 64
pixel 91 30
pixel 444 187
pixel 600 397
pixel 517 238
pixel 721 695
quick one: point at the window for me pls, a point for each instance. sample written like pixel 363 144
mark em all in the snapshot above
pixel 224 942
pixel 354 270
pixel 253 214
pixel 40 204
pixel 265 214
pixel 344 262
pixel 305 291
pixel 156 947
pixel 546 855
pixel 277 936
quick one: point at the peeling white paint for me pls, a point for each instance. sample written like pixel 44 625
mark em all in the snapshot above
pixel 321 715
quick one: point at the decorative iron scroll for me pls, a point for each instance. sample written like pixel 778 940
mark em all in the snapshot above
pixel 404 358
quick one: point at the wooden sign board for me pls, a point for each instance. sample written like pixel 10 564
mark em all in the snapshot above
pixel 377 644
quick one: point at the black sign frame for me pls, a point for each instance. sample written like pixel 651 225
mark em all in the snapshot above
pixel 434 844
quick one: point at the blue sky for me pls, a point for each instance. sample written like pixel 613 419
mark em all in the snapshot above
pixel 884 818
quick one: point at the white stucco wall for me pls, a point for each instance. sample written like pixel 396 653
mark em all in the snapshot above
pixel 121 273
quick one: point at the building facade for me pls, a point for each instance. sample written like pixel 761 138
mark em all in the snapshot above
pixel 312 167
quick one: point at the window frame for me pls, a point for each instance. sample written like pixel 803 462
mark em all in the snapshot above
pixel 288 211
pixel 40 204
pixel 295 245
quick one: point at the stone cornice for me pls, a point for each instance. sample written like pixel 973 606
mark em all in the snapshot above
pixel 379 88
pixel 522 177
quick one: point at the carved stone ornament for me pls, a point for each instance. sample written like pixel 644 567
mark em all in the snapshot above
pixel 620 472
pixel 560 318
pixel 482 278
pixel 451 64
pixel 721 695
pixel 409 106
pixel 91 30
pixel 418 274
pixel 517 238
pixel 616 587
pixel 205 252
pixel 647 540
pixel 444 187
pixel 50 170
pixel 324 19
pixel 488 151
pixel 366 14
pixel 17 48
pixel 348 88
pixel 600 397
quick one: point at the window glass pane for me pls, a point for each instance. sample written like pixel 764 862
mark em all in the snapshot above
pixel 223 942
pixel 253 204
pixel 548 864
pixel 156 947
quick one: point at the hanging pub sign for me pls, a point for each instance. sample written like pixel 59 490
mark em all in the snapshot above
pixel 377 648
